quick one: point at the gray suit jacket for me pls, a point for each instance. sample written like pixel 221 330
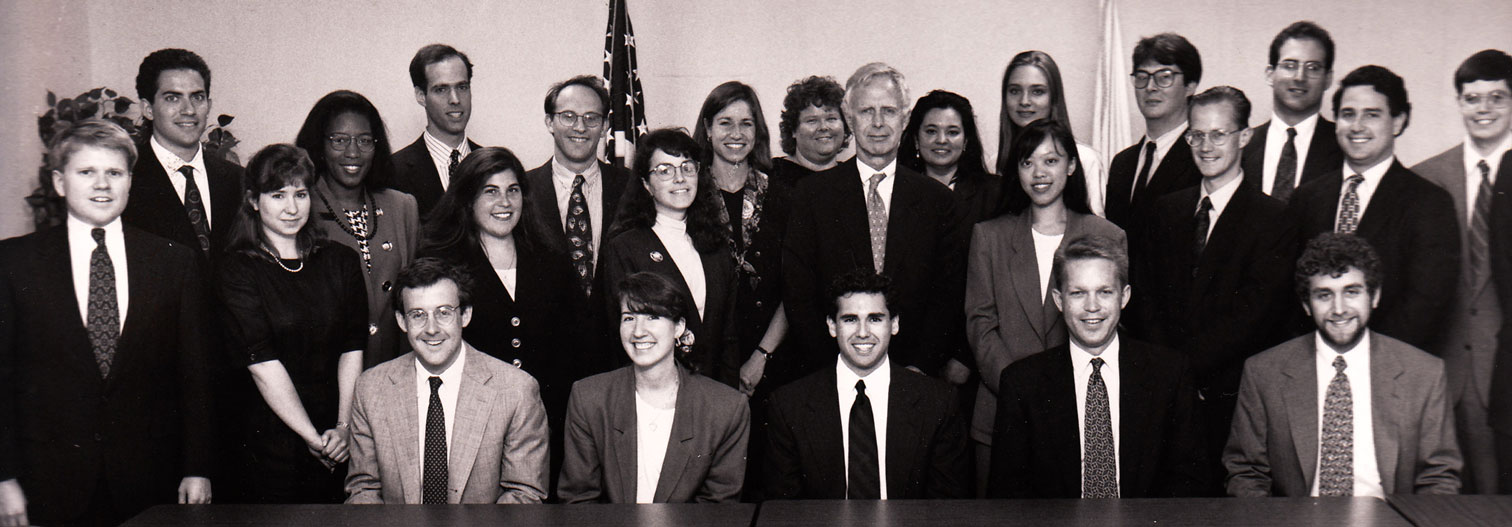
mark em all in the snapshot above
pixel 498 447
pixel 1273 445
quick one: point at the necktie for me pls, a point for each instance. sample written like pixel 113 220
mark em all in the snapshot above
pixel 1144 171
pixel 876 215
pixel 195 206
pixel 1100 467
pixel 1286 168
pixel 1204 221
pixel 1349 210
pixel 1336 462
pixel 1480 227
pixel 451 170
pixel 580 234
pixel 433 486
pixel 104 317
pixel 862 476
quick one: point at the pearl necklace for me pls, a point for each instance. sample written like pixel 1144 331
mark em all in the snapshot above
pixel 280 263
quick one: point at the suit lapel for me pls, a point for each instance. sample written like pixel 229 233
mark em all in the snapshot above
pixel 142 293
pixel 400 403
pixel 902 433
pixel 824 438
pixel 1226 234
pixel 1253 162
pixel 1455 184
pixel 678 450
pixel 1319 161
pixel 1301 372
pixel 850 215
pixel 1062 420
pixel 664 266
pixel 902 223
pixel 1026 283
pixel 1388 200
pixel 55 267
pixel 621 406
pixel 1133 395
pixel 1385 369
pixel 474 403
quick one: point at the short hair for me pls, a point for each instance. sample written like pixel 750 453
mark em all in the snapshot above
pixel 450 227
pixel 720 98
pixel 274 167
pixel 1015 200
pixel 871 72
pixel 1381 80
pixel 312 134
pixel 1173 49
pixel 1224 94
pixel 1333 253
pixel 637 209
pixel 860 280
pixel 164 60
pixel 587 81
pixel 1304 30
pixel 1007 129
pixel 816 91
pixel 971 161
pixel 425 272
pixel 649 293
pixel 96 133
pixel 1485 65
pixel 1090 247
pixel 430 55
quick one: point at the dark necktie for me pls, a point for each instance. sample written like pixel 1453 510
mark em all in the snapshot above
pixel 434 483
pixel 1286 168
pixel 580 235
pixel 1336 464
pixel 104 317
pixel 862 478
pixel 1100 468
pixel 876 218
pixel 1480 227
pixel 1144 171
pixel 456 160
pixel 1349 210
pixel 194 204
pixel 1204 221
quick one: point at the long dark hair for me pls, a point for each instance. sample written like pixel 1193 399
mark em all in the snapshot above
pixel 450 227
pixel 722 97
pixel 274 167
pixel 971 161
pixel 312 135
pixel 1015 200
pixel 638 211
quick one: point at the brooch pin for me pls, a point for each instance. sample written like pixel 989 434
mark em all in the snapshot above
pixel 656 256
pixel 388 246
pixel 380 212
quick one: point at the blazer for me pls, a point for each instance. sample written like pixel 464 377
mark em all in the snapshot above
pixel 1323 155
pixel 1006 317
pixel 1410 223
pixel 498 443
pixel 546 214
pixel 927 455
pixel 394 233
pixel 705 459
pixel 1273 446
pixel 1177 171
pixel 1500 400
pixel 415 174
pixel 828 234
pixel 154 206
pixel 141 430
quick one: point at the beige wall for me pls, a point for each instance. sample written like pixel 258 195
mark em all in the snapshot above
pixel 273 59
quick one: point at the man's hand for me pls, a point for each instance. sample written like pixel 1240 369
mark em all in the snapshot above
pixel 956 373
pixel 12 503
pixel 194 490
pixel 335 445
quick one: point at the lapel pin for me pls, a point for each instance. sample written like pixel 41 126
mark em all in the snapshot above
pixel 656 256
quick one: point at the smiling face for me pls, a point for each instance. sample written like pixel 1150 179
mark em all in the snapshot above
pixel 732 132
pixel 648 339
pixel 863 327
pixel 1155 102
pixel 1366 130
pixel 447 98
pixel 1299 93
pixel 877 117
pixel 1043 175
pixel 436 342
pixel 576 142
pixel 820 134
pixel 498 206
pixel 1484 123
pixel 1028 95
pixel 180 110
pixel 942 138
pixel 348 166
pixel 94 184
pixel 1340 306
pixel 1215 161
pixel 284 211
pixel 674 194
pixel 1091 300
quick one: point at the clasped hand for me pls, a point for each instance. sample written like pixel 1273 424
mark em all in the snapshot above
pixel 330 448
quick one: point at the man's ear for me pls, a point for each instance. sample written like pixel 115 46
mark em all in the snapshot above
pixel 420 96
pixel 830 321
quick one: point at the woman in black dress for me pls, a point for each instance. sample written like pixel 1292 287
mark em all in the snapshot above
pixel 297 314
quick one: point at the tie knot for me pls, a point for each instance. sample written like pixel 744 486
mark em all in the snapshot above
pixel 861 387
pixel 1149 148
pixel 1339 364
pixel 1355 180
pixel 1097 364
pixel 187 171
pixel 1291 133
pixel 876 179
pixel 435 383
pixel 1485 169
pixel 456 155
pixel 577 180
pixel 98 234
pixel 1205 206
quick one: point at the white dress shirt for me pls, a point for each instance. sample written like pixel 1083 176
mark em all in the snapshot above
pixel 1367 476
pixel 172 163
pixel 878 382
pixel 1081 369
pixel 509 277
pixel 1275 140
pixel 673 234
pixel 885 188
pixel 593 193
pixel 1163 145
pixel 1472 172
pixel 1096 177
pixel 1365 191
pixel 451 384
pixel 1044 257
pixel 440 154
pixel 653 428
pixel 81 246
pixel 1220 199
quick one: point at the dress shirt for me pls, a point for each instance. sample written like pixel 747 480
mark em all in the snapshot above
pixel 1472 172
pixel 673 234
pixel 884 188
pixel 172 163
pixel 1367 477
pixel 1275 140
pixel 1366 189
pixel 1220 199
pixel 440 154
pixel 653 428
pixel 593 193
pixel 1044 257
pixel 1163 146
pixel 877 384
pixel 1081 369
pixel 81 246
pixel 451 384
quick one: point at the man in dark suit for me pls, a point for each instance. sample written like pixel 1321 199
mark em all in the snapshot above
pixel 1215 265
pixel 1343 410
pixel 104 355
pixel 1104 417
pixel 442 77
pixel 872 213
pixel 1407 220
pixel 194 210
pixel 1301 146
pixel 1167 69
pixel 865 428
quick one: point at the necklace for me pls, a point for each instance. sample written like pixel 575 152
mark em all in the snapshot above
pixel 280 263
pixel 356 223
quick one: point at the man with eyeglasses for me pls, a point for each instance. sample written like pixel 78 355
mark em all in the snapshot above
pixel 1300 146
pixel 1468 172
pixel 1214 266
pixel 445 423
pixel 1167 69
pixel 442 77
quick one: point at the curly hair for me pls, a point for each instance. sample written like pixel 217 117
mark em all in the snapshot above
pixel 450 225
pixel 816 91
pixel 1334 254
pixel 860 280
pixel 637 210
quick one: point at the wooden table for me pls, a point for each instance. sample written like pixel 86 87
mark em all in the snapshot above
pixel 1425 511
pixel 589 515
pixel 1153 512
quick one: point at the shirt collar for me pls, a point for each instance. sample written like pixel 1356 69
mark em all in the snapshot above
pixel 172 162
pixel 1304 128
pixel 1221 196
pixel 667 222
pixel 1164 143
pixel 564 175
pixel 450 376
pixel 79 232
pixel 1357 355
pixel 878 379
pixel 1372 174
pixel 1081 358
pixel 867 171
pixel 1494 160
pixel 437 146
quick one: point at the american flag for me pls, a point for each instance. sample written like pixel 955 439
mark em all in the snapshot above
pixel 627 103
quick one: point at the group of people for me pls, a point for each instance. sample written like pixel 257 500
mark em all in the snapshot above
pixel 342 322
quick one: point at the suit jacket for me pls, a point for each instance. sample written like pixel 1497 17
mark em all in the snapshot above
pixel 141 430
pixel 153 205
pixel 1410 223
pixel 705 460
pixel 1006 317
pixel 828 234
pixel 498 445
pixel 1500 395
pixel 547 215
pixel 1273 447
pixel 415 174
pixel 926 456
pixel 1323 155
pixel 1177 171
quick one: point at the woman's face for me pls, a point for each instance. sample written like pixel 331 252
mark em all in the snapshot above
pixel 499 204
pixel 648 339
pixel 941 138
pixel 732 132
pixel 820 133
pixel 284 211
pixel 671 183
pixel 349 149
pixel 1044 173
pixel 1028 95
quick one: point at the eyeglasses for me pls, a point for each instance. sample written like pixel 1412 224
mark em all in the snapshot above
pixel 1310 69
pixel 590 119
pixel 666 171
pixel 1163 78
pixel 1497 99
pixel 1218 137
pixel 365 143
pixel 444 315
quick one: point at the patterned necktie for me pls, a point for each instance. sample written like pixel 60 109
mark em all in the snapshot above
pixel 451 170
pixel 876 215
pixel 1336 462
pixel 1100 467
pixel 194 204
pixel 1286 168
pixel 1349 210
pixel 580 235
pixel 1204 221
pixel 433 486
pixel 862 478
pixel 1480 228
pixel 104 317
pixel 1144 171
